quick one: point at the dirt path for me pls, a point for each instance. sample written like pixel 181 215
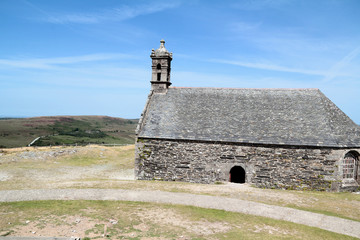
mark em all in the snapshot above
pixel 329 223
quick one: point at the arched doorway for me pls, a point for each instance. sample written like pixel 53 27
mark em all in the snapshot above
pixel 237 175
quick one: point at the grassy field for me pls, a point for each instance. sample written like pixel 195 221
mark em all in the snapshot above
pixel 112 167
pixel 96 166
pixel 19 132
pixel 134 220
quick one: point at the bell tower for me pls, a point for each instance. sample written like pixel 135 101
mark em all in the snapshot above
pixel 161 66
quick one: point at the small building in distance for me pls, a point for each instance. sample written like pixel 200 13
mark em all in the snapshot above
pixel 272 138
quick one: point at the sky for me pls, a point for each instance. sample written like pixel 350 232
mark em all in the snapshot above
pixel 92 57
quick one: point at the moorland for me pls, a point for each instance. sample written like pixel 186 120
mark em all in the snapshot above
pixel 66 130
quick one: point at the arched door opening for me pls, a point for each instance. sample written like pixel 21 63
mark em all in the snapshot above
pixel 237 175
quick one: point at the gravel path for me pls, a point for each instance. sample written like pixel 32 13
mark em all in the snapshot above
pixel 334 224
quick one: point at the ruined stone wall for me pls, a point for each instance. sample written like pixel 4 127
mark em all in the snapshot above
pixel 269 167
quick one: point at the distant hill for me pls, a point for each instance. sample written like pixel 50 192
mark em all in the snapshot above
pixel 59 130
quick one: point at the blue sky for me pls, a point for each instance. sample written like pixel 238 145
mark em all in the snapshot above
pixel 92 57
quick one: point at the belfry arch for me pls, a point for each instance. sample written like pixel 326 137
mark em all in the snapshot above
pixel 237 174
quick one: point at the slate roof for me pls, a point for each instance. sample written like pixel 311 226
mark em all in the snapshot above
pixel 304 117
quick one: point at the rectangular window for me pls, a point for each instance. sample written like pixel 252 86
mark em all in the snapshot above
pixel 348 167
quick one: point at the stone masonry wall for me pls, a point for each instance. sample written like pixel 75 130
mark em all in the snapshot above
pixel 269 167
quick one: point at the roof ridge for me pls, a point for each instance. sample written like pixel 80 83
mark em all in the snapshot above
pixel 290 89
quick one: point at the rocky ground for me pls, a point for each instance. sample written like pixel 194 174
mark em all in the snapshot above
pixel 57 167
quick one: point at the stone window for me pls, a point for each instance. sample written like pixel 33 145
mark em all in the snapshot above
pixel 351 165
pixel 158 76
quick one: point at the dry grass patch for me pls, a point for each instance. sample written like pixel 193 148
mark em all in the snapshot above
pixel 112 167
pixel 54 167
pixel 133 220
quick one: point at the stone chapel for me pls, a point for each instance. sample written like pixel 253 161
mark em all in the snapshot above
pixel 273 138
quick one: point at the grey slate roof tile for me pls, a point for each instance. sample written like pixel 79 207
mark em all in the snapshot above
pixel 266 116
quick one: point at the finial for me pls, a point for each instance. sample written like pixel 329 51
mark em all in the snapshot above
pixel 162 43
pixel 161 51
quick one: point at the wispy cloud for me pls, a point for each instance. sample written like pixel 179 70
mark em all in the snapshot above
pixel 47 63
pixel 115 14
pixel 336 69
pixel 97 77
pixel 254 5
pixel 244 26
pixel 271 67
pixel 205 79
pixel 73 18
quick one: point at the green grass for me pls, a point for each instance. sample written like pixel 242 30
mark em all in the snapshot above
pixel 20 132
pixel 137 220
pixel 321 211
pixel 345 205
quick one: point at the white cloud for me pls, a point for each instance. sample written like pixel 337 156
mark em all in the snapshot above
pixel 74 18
pixel 265 66
pixel 94 75
pixel 244 26
pixel 47 63
pixel 254 5
pixel 291 50
pixel 336 69
pixel 203 79
pixel 115 14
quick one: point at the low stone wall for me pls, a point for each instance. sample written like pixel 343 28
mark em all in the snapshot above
pixel 269 167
